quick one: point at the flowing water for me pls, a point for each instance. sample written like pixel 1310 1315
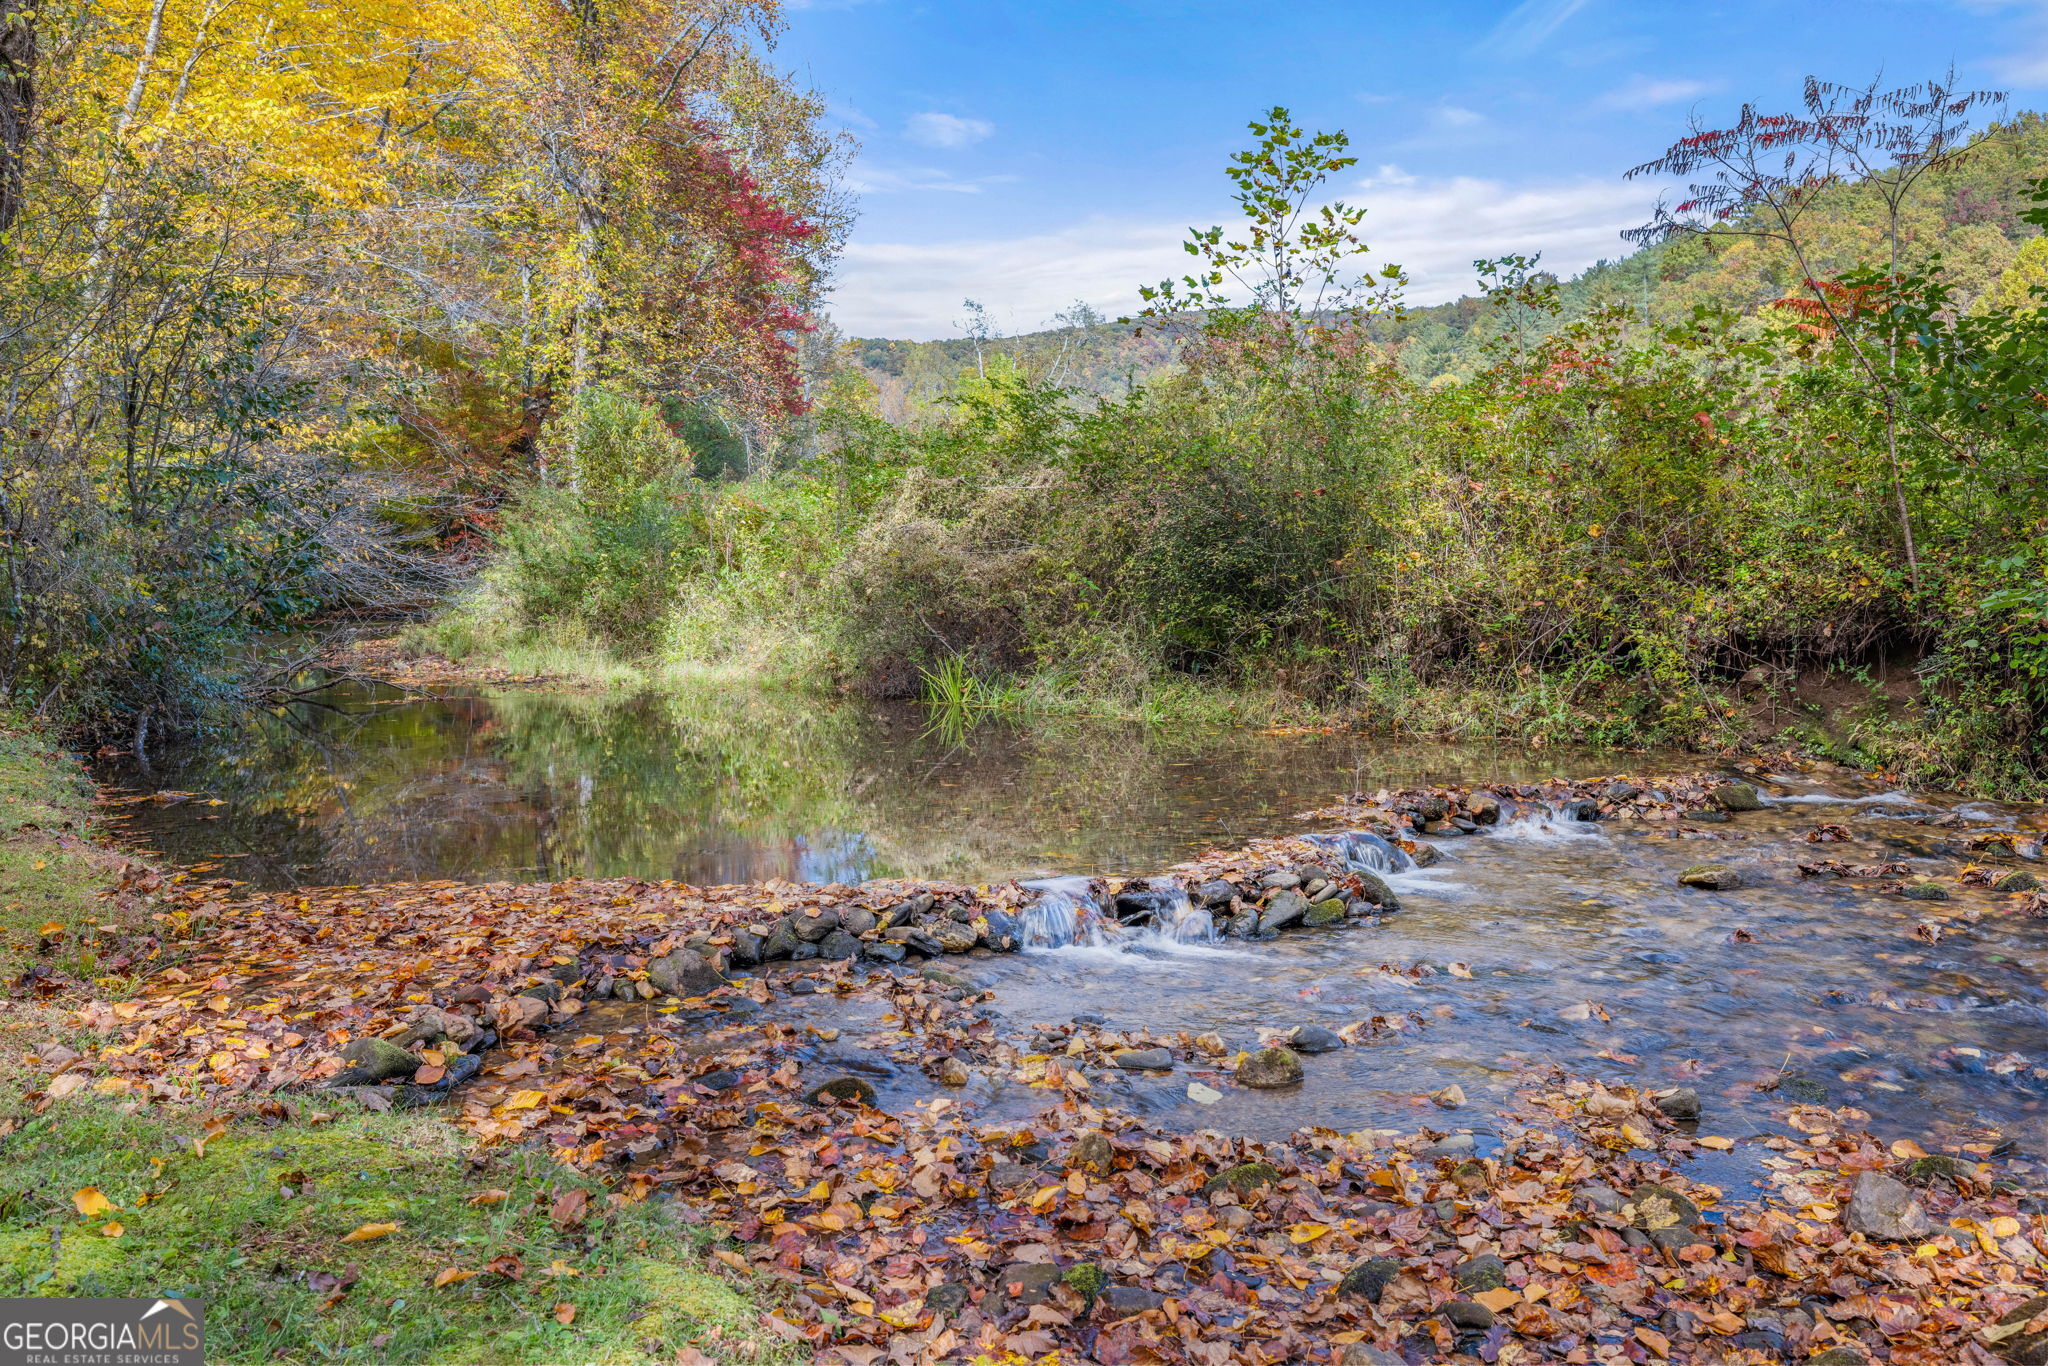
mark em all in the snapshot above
pixel 1545 941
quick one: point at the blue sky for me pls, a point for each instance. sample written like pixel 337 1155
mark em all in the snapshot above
pixel 1028 153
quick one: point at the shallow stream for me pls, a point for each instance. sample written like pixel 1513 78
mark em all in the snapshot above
pixel 1543 941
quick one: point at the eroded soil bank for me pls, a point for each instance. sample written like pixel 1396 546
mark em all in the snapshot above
pixel 864 1089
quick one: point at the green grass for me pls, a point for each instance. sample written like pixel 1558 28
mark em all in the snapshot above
pixel 254 1226
pixel 52 865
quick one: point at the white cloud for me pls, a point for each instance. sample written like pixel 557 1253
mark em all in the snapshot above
pixel 867 177
pixel 1452 116
pixel 1642 92
pixel 932 129
pixel 1528 24
pixel 1433 228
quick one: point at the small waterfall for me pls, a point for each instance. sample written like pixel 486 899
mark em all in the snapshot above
pixel 1363 851
pixel 1069 911
pixel 1066 911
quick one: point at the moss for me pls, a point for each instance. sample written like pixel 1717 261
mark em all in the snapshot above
pixel 1243 1178
pixel 1087 1279
pixel 253 1222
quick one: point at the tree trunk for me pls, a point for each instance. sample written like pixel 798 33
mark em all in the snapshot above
pixel 17 101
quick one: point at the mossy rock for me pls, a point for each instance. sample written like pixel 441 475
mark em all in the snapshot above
pixel 841 1088
pixel 1484 1272
pixel 1924 891
pixel 1937 1167
pixel 1805 1090
pixel 1324 913
pixel 1088 1280
pixel 2017 881
pixel 1244 1178
pixel 1369 1279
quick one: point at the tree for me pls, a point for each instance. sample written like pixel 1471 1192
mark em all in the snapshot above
pixel 1765 171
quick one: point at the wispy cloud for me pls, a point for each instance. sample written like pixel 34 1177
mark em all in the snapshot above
pixel 1455 116
pixel 1528 25
pixel 1643 92
pixel 867 177
pixel 1435 228
pixel 932 129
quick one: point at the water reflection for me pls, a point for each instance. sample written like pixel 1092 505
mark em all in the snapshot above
pixel 717 787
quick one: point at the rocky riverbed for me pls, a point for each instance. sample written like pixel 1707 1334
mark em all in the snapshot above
pixel 1211 1114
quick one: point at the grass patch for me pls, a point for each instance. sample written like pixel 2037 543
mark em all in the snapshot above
pixel 52 865
pixel 253 1221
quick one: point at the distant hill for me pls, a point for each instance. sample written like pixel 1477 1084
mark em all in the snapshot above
pixel 1970 217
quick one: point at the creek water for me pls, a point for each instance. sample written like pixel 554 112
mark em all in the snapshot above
pixel 1544 941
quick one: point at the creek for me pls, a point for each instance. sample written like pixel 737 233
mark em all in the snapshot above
pixel 1544 941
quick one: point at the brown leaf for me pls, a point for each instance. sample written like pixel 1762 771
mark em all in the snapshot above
pixel 569 1208
pixel 565 1313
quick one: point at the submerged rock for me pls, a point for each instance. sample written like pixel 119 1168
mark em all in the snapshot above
pixel 1924 891
pixel 1313 1039
pixel 1717 877
pixel 1269 1068
pixel 1144 1060
pixel 1680 1103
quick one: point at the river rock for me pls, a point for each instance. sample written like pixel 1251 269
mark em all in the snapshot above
pixel 1484 1272
pixel 882 951
pixel 1664 1216
pixel 1005 932
pixel 1680 1103
pixel 1328 912
pixel 1365 1354
pixel 431 1024
pixel 841 1088
pixel 1377 891
pixel 813 925
pixel 1243 925
pixel 1092 1152
pixel 1006 1177
pixel 1924 891
pixel 946 1299
pixel 746 948
pixel 1368 1280
pixel 1214 893
pixel 1882 1208
pixel 2023 1347
pixel 856 920
pixel 1144 1060
pixel 1122 1301
pixel 954 937
pixel 374 1060
pixel 1280 881
pixel 952 1072
pixel 1469 1315
pixel 1243 1179
pixel 2017 881
pixel 1736 797
pixel 1269 1068
pixel 1313 1039
pixel 904 912
pixel 781 942
pixel 1026 1283
pixel 1716 877
pixel 1286 908
pixel 684 973
pixel 838 946
pixel 1483 808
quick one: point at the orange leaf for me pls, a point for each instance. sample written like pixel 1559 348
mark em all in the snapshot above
pixel 113 1230
pixel 1906 1147
pixel 449 1275
pixel 489 1197
pixel 1499 1301
pixel 1654 1340
pixel 1719 1145
pixel 90 1202
pixel 565 1313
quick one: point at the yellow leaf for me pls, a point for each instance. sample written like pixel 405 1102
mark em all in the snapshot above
pixel 60 1087
pixel 525 1100
pixel 113 1230
pixel 489 1197
pixel 2004 1226
pixel 1500 1300
pixel 369 1231
pixel 1654 1340
pixel 1719 1145
pixel 1907 1148
pixel 90 1202
pixel 449 1275
pixel 1306 1233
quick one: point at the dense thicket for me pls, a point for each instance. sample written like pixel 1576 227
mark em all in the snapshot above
pixel 1607 522
pixel 291 293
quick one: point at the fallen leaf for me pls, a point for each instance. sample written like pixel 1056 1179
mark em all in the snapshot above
pixel 489 1197
pixel 1203 1095
pixel 90 1202
pixel 369 1231
pixel 565 1313
pixel 1499 1301
pixel 113 1230
pixel 1719 1145
pixel 449 1275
